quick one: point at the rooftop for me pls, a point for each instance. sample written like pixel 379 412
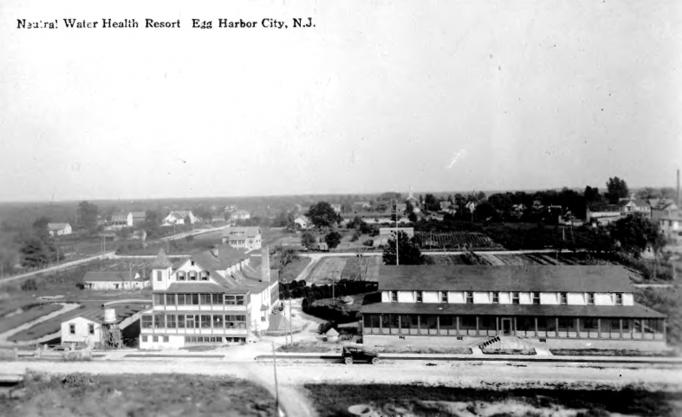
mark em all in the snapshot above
pixel 569 278
pixel 109 276
pixel 637 310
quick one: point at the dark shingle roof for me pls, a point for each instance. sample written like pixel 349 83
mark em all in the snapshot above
pixel 636 310
pixel 106 276
pixel 195 287
pixel 161 261
pixel 569 278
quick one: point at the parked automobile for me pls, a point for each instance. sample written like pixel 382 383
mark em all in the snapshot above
pixel 352 354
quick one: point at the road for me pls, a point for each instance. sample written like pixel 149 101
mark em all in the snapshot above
pixel 65 309
pixel 64 265
pixel 293 375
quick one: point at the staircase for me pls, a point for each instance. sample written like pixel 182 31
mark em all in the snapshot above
pixel 489 342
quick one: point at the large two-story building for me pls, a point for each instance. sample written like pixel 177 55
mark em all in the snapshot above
pixel 570 306
pixel 246 237
pixel 214 297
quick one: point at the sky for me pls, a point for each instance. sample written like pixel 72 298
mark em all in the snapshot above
pixel 378 96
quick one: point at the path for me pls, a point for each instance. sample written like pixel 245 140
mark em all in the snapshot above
pixel 65 309
pixel 64 265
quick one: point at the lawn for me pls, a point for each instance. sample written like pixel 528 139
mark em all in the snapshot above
pixel 26 314
pixel 327 269
pixel 293 268
pixel 138 395
pixel 418 401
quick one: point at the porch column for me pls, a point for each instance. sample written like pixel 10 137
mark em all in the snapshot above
pixel 599 328
pixel 419 324
pixel 438 325
pixel 620 327
pixel 457 325
pixel 381 323
pixel 577 328
pixel 535 319
pixel 476 325
pixel 556 327
pixel 399 325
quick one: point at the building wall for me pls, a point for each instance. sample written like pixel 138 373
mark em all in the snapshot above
pixel 116 285
pixel 505 297
pixel 82 334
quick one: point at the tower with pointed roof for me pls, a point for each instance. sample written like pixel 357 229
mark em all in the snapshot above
pixel 161 271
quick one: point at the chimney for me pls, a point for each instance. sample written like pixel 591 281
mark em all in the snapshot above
pixel 265 264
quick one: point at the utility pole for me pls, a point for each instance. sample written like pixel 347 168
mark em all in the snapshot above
pixel 396 233
pixel 291 333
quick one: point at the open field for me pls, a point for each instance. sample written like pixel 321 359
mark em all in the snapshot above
pixel 138 395
pixel 292 269
pixel 365 268
pixel 327 269
pixel 419 400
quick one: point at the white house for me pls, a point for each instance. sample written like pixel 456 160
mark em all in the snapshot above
pixel 671 226
pixel 249 238
pixel 215 297
pixel 114 280
pixel 177 217
pixel 88 328
pixel 120 221
pixel 239 215
pixel 302 222
pixel 59 229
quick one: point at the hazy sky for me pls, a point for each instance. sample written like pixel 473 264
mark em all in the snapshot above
pixel 381 95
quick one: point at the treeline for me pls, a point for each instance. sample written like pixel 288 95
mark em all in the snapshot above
pixel 343 287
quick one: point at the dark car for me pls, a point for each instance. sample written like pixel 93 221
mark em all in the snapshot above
pixel 351 354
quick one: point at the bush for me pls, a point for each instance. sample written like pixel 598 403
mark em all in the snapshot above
pixel 29 285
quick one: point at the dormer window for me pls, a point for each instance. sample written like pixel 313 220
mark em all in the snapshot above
pixel 496 297
pixel 443 296
pixel 619 298
pixel 589 298
pixel 419 296
pixel 515 297
pixel 469 297
pixel 394 296
pixel 181 275
pixel 192 275
pixel 204 276
pixel 536 298
pixel 563 298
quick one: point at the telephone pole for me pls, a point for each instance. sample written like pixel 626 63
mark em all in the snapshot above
pixel 397 236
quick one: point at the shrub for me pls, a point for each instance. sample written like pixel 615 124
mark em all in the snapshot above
pixel 29 285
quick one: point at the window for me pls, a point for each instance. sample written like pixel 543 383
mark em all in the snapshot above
pixel 146 321
pixel 195 298
pixel 170 321
pixel 563 297
pixel 181 275
pixel 536 298
pixel 443 296
pixel 144 338
pixel 205 299
pixel 205 321
pixel 496 297
pixel 394 296
pixel 234 300
pixel 469 297
pixel 204 276
pixel 91 328
pixel 192 275
pixel 419 296
pixel 189 322
pixel 218 321
pixel 72 329
pixel 159 275
pixel 619 299
pixel 165 339
pixel 181 322
pixel 170 299
pixel 217 299
pixel 515 297
pixel 589 298
pixel 159 321
pixel 181 299
pixel 158 299
pixel 155 338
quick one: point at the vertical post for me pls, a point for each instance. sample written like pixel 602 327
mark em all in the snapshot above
pixel 457 324
pixel 476 325
pixel 536 326
pixel 274 367
pixel 438 325
pixel 620 327
pixel 556 327
pixel 397 236
pixel 291 334
pixel 598 328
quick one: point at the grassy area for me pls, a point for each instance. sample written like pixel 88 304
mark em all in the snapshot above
pixel 293 268
pixel 138 395
pixel 669 302
pixel 418 401
pixel 309 347
pixel 28 313
pixel 454 350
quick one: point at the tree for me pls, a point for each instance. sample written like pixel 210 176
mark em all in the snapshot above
pixel 308 240
pixel 592 195
pixel 431 203
pixel 152 222
pixel 40 228
pixel 333 239
pixel 408 251
pixel 36 252
pixel 322 215
pixel 87 215
pixel 616 189
pixel 634 233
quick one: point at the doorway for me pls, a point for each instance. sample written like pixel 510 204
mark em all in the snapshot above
pixel 506 326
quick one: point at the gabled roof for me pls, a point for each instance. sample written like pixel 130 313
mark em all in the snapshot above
pixel 138 214
pixel 195 287
pixel 108 276
pixel 56 226
pixel 236 232
pixel 220 258
pixel 568 278
pixel 161 261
